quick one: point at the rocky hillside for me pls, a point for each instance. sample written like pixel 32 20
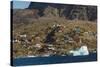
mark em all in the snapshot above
pixel 68 11
pixel 53 29
pixel 51 10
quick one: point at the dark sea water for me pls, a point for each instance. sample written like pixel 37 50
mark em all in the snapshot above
pixel 53 60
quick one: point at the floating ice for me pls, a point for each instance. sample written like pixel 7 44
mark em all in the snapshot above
pixel 82 51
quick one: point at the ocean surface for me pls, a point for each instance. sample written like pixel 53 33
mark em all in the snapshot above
pixel 52 60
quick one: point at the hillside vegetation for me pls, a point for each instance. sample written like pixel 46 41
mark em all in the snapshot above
pixel 42 27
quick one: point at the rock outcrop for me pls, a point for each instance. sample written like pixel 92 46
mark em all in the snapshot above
pixel 80 12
